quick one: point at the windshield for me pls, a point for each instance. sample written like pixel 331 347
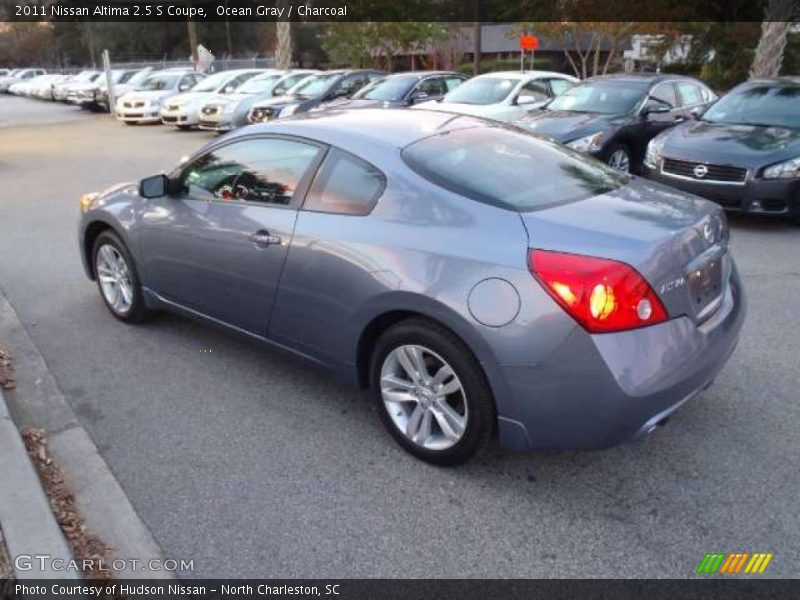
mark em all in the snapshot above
pixel 604 97
pixel 483 90
pixel 767 105
pixel 86 76
pixel 258 85
pixel 509 169
pixel 160 81
pixel 389 89
pixel 139 77
pixel 314 86
pixel 213 82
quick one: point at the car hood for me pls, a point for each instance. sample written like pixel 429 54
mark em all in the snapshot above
pixel 79 87
pixel 746 145
pixel 478 110
pixel 283 101
pixel 363 103
pixel 192 97
pixel 565 126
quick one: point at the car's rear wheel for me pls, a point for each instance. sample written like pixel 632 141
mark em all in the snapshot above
pixel 431 393
pixel 619 157
pixel 117 279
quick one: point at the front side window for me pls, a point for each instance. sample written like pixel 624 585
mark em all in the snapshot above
pixel 345 185
pixel 433 86
pixel 453 82
pixel 664 94
pixel 510 169
pixel 691 94
pixel 266 171
pixel 533 91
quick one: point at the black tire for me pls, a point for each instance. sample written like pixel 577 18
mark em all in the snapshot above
pixel 619 148
pixel 480 409
pixel 138 311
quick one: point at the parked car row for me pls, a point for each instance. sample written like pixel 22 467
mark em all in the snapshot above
pixel 742 151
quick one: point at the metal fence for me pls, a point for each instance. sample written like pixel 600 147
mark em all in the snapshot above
pixel 221 64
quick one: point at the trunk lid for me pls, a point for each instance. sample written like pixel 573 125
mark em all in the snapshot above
pixel 676 241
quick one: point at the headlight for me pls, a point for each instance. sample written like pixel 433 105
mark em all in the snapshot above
pixel 287 111
pixel 590 143
pixel 86 201
pixel 654 148
pixel 789 169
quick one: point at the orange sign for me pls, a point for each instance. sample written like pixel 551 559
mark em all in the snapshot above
pixel 528 42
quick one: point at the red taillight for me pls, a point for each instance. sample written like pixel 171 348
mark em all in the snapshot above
pixel 602 295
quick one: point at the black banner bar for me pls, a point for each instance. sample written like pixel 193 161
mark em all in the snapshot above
pixel 487 11
pixel 711 588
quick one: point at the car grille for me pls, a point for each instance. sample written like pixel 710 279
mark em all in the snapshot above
pixel 262 114
pixel 723 173
pixel 210 110
pixel 133 104
pixel 173 107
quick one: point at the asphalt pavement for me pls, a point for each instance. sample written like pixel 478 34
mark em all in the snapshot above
pixel 255 464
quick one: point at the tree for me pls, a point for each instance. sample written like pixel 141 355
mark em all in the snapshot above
pixel 774 32
pixel 283 50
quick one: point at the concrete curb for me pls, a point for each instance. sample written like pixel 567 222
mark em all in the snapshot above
pixel 29 527
pixel 101 501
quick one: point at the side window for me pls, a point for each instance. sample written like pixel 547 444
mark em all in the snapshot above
pixel 690 93
pixel 559 86
pixel 533 91
pixel 433 86
pixel 665 92
pixel 187 82
pixel 452 83
pixel 349 85
pixel 238 80
pixel 267 171
pixel 345 185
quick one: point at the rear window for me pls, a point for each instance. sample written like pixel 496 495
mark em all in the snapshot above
pixel 510 169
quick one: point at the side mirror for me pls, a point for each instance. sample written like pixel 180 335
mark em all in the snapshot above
pixel 184 87
pixel 154 187
pixel 228 89
pixel 526 100
pixel 655 108
pixel 697 111
pixel 419 96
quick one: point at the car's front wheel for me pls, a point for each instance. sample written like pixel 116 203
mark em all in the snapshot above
pixel 117 279
pixel 431 393
pixel 619 157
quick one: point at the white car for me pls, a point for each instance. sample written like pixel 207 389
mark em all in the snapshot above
pixel 18 75
pixel 143 104
pixel 61 91
pixel 31 87
pixel 183 111
pixel 503 95
pixel 128 81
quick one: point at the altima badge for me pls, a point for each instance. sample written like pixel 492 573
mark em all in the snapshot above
pixel 700 171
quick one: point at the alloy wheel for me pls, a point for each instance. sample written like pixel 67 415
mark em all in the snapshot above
pixel 424 397
pixel 620 161
pixel 115 278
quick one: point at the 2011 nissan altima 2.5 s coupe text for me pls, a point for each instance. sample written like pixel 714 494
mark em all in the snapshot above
pixel 477 279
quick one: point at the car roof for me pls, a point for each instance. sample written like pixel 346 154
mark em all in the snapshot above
pixel 640 77
pixel 520 75
pixel 788 81
pixel 419 74
pixel 385 127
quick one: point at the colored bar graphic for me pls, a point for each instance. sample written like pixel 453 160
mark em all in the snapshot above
pixel 732 563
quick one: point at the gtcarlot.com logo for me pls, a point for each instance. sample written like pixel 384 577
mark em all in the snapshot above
pixel 734 563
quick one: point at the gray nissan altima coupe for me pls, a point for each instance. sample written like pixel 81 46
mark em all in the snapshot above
pixel 477 279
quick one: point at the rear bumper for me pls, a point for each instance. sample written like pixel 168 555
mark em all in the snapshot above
pixel 597 391
pixel 767 196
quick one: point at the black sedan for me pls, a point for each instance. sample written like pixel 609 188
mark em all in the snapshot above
pixel 313 92
pixel 743 152
pixel 615 116
pixel 403 89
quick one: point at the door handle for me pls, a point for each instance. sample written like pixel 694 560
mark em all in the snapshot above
pixel 262 239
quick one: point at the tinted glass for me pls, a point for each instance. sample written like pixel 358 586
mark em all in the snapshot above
pixel 768 105
pixel 691 93
pixel 258 85
pixel 345 185
pixel 212 82
pixel 433 86
pixel 559 86
pixel 314 86
pixel 287 82
pixel 267 171
pixel 483 90
pixel 453 82
pixel 238 81
pixel 604 97
pixel 159 81
pixel 664 93
pixel 509 169
pixel 393 88
pixel 533 91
